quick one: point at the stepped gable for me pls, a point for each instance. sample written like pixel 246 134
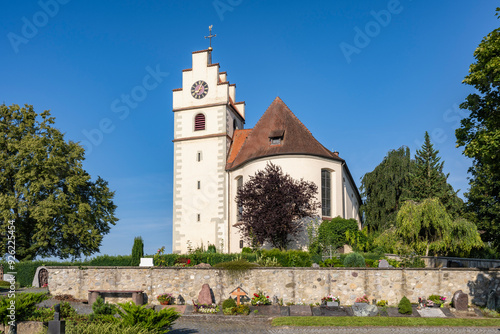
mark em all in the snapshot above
pixel 277 122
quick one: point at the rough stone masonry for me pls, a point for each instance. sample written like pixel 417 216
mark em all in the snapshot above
pixel 306 285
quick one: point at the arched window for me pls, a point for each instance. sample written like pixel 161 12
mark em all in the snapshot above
pixel 199 122
pixel 326 194
pixel 239 184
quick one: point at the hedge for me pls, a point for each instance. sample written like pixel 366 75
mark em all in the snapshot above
pixel 26 269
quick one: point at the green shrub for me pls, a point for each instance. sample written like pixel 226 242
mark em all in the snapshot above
pixel 137 251
pixel 354 260
pixel 228 303
pixel 211 249
pixel 331 263
pixel 242 309
pixel 247 250
pixel 106 260
pixel 289 258
pixel 236 268
pixel 146 318
pixel 268 262
pixel 43 314
pixel 102 308
pixel 371 263
pixel 25 305
pixel 382 303
pixel 67 311
pixel 404 306
pixel 332 233
pixel 104 328
pixel 6 285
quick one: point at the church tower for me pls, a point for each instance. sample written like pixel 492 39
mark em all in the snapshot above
pixel 205 118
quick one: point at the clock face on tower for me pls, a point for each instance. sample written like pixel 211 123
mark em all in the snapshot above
pixel 199 89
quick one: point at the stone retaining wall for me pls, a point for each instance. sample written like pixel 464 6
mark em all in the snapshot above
pixel 307 285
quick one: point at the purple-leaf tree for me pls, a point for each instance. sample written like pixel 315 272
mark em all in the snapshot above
pixel 272 205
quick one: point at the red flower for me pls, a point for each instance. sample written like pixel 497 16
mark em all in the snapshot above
pixel 256 295
pixel 267 296
pixel 189 261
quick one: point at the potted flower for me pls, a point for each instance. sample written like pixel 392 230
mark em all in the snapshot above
pixel 260 299
pixel 166 299
pixel 330 300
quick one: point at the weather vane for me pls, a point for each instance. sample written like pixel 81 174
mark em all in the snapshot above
pixel 210 37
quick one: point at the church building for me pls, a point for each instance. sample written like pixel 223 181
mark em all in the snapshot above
pixel 214 155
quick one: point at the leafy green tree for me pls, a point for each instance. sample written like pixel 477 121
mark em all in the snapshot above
pixel 332 234
pixel 385 188
pixel 58 210
pixel 137 251
pixel 427 228
pixel 428 180
pixel 479 134
pixel 274 205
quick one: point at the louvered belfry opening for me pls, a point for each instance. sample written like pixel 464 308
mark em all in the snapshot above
pixel 199 122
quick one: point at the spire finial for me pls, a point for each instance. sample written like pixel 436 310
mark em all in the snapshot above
pixel 210 37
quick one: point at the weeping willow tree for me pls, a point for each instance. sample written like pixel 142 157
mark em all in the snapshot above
pixel 385 189
pixel 426 228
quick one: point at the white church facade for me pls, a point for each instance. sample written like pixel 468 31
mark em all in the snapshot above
pixel 214 155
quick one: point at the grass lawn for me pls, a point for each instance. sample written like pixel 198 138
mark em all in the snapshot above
pixel 383 321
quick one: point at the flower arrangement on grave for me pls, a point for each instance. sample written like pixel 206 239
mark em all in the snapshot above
pixel 206 308
pixel 330 298
pixel 432 301
pixel 363 299
pixel 166 299
pixel 260 299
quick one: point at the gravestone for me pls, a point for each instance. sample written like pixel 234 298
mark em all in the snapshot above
pixel 364 310
pixel 384 264
pixel 57 326
pixel 315 265
pixel 460 301
pixel 205 295
pixel 427 312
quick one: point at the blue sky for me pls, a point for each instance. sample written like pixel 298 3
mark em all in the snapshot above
pixel 364 76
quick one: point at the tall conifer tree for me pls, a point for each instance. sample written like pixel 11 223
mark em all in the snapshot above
pixel 428 180
pixel 385 189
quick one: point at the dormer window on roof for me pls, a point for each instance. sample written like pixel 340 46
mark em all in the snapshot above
pixel 276 136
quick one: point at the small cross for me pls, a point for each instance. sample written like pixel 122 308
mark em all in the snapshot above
pixel 238 293
pixel 210 36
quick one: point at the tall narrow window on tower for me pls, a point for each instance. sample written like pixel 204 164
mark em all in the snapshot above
pixel 326 200
pixel 199 122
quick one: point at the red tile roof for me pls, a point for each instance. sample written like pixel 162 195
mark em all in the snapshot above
pixel 239 138
pixel 256 143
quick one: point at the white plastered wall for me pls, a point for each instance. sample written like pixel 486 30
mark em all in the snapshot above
pixel 297 166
